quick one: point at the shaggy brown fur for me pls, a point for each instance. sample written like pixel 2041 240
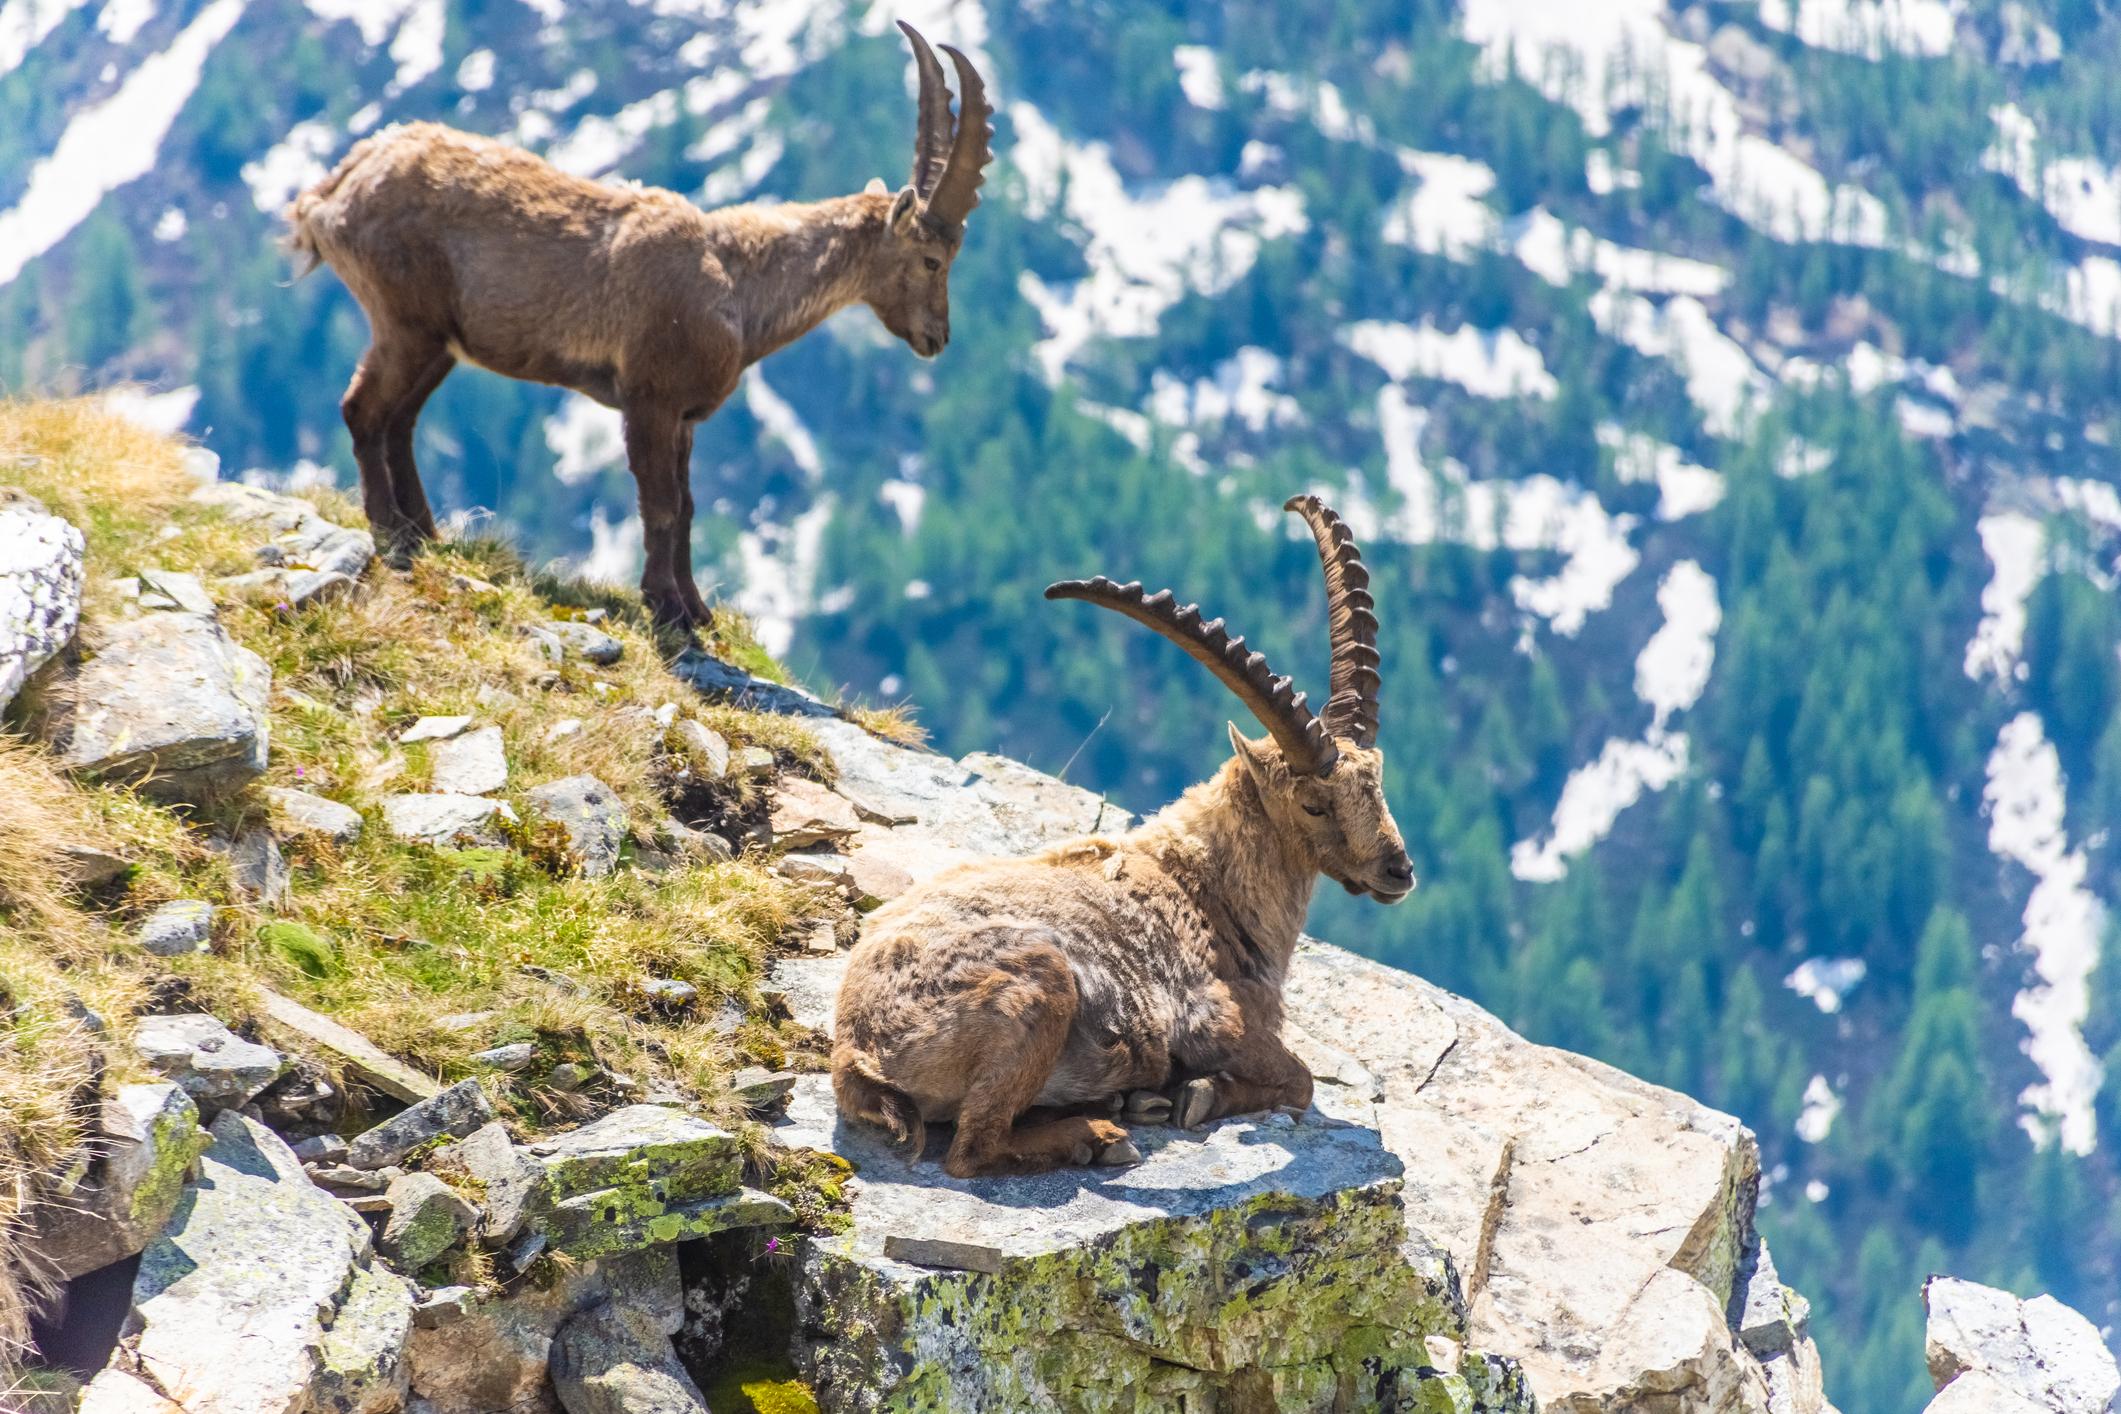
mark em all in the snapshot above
pixel 1147 960
pixel 462 248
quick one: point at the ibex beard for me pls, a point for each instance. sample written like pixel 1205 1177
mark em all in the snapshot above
pixel 1002 995
pixel 462 248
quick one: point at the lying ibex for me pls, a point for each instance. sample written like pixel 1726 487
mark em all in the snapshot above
pixel 459 247
pixel 1148 960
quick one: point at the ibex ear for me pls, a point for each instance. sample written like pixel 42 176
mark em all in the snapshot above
pixel 1246 752
pixel 876 187
pixel 904 211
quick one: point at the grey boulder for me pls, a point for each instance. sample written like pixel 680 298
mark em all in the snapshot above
pixel 427 1217
pixel 454 1113
pixel 473 763
pixel 177 928
pixel 302 813
pixel 509 1180
pixel 148 1138
pixel 592 815
pixel 616 1360
pixel 41 575
pixel 2039 1350
pixel 170 703
pixel 445 819
pixel 586 641
pixel 213 1065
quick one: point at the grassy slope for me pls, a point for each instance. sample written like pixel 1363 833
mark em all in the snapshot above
pixel 423 950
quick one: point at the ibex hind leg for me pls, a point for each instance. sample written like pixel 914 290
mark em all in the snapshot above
pixel 413 511
pixel 1007 1040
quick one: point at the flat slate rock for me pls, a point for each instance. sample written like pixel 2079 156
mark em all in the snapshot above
pixel 473 763
pixel 170 703
pixel 1254 1257
pixel 368 1062
pixel 217 1068
pixel 723 682
pixel 306 814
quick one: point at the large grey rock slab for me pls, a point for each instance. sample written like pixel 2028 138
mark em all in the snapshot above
pixel 449 1114
pixel 616 1359
pixel 983 805
pixel 41 574
pixel 1259 1264
pixel 478 1352
pixel 592 815
pixel 643 1176
pixel 445 819
pixel 806 813
pixel 1599 1221
pixel 114 1391
pixel 301 813
pixel 360 1056
pixel 2040 1349
pixel 473 763
pixel 216 1067
pixel 148 1137
pixel 721 682
pixel 366 1367
pixel 168 702
pixel 1978 1392
pixel 507 1179
pixel 237 1301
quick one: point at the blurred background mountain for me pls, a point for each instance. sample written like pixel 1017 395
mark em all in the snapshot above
pixel 1725 393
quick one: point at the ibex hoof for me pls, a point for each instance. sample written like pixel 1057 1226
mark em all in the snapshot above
pixel 1148 1107
pixel 1196 1103
pixel 1079 1155
pixel 1123 1152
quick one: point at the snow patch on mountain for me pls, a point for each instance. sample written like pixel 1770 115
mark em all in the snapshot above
pixel 1670 674
pixel 291 165
pixel 777 569
pixel 1683 488
pixel 2015 543
pixel 1446 213
pixel 1721 377
pixel 111 143
pixel 782 424
pixel 1489 363
pixel 2063 920
pixel 585 438
pixel 1246 389
pixel 1869 29
pixel 1145 250
pixel 25 24
pixel 1558 253
pixel 2083 194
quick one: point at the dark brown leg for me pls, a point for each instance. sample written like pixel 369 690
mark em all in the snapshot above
pixel 652 441
pixel 1260 1074
pixel 687 584
pixel 413 511
pixel 391 369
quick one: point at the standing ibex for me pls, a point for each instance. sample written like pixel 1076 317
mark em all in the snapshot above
pixel 1154 958
pixel 459 247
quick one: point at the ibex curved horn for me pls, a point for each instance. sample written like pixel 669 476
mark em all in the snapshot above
pixel 1351 703
pixel 957 190
pixel 931 136
pixel 1305 745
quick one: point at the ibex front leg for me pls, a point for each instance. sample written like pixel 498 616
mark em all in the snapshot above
pixel 656 441
pixel 1250 1072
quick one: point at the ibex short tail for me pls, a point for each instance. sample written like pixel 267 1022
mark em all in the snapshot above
pixel 866 1096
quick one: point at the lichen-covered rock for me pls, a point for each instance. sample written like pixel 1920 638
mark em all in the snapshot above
pixel 1261 1265
pixel 233 1301
pixel 615 1359
pixel 477 1352
pixel 427 1217
pixel 148 1138
pixel 364 1367
pixel 445 819
pixel 217 1068
pixel 2039 1350
pixel 40 589
pixel 301 813
pixel 473 763
pixel 453 1113
pixel 168 702
pixel 643 1176
pixel 505 1175
pixel 592 815
pixel 176 928
pixel 1507 1144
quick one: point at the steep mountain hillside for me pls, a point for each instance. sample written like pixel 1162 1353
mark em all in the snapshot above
pixel 1726 395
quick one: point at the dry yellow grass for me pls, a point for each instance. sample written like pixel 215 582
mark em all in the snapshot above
pixel 432 953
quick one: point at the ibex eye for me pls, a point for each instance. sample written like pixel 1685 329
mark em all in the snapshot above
pixel 932 262
pixel 1313 810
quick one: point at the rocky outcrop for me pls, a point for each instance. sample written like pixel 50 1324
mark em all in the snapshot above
pixel 260 1295
pixel 307 558
pixel 217 1068
pixel 168 702
pixel 1263 1263
pixel 617 1359
pixel 1990 1351
pixel 41 575
pixel 591 814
